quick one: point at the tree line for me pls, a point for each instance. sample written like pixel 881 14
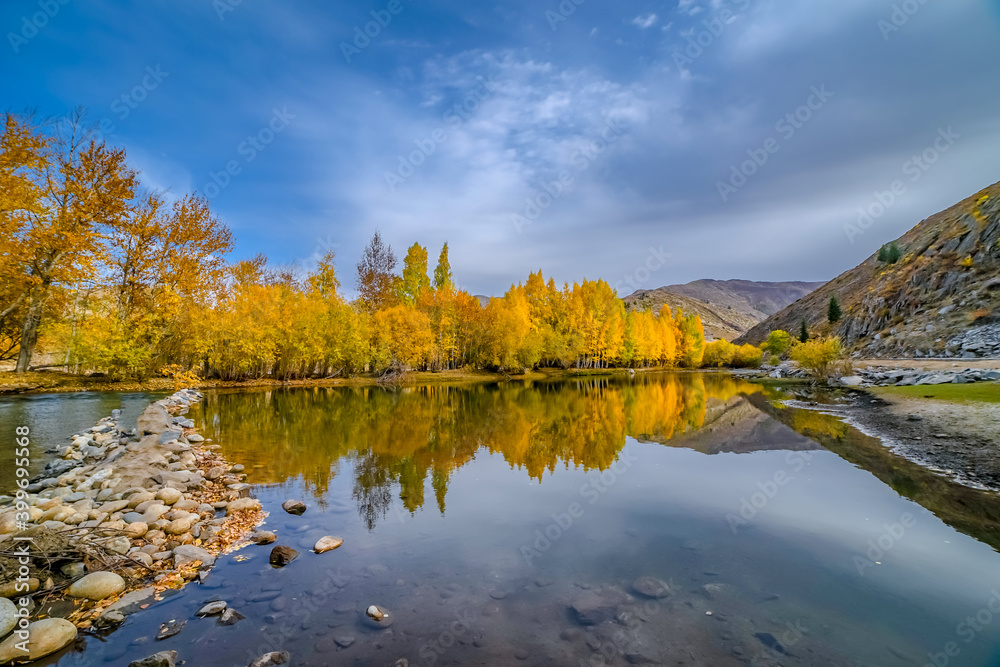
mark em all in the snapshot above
pixel 103 275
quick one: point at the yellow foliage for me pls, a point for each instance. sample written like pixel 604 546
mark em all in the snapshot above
pixel 817 355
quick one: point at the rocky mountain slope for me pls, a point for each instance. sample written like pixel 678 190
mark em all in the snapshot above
pixel 728 308
pixel 941 298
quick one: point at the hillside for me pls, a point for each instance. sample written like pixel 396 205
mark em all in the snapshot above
pixel 942 298
pixel 728 308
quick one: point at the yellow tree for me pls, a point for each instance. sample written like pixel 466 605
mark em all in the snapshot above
pixel 415 281
pixel 84 191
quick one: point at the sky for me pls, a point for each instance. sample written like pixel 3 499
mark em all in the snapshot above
pixel 645 143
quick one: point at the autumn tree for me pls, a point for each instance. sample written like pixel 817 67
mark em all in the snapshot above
pixel 415 281
pixel 82 194
pixel 376 280
pixel 777 342
pixel 442 272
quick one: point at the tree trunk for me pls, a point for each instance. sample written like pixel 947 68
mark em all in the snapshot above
pixel 29 332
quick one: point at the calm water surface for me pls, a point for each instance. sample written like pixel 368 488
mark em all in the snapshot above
pixel 481 516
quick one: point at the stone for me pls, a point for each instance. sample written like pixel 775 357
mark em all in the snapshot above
pixel 327 543
pixel 132 602
pixel 378 617
pixel 136 529
pixel 97 586
pixel 271 659
pixel 10 588
pixel 852 381
pixel 45 637
pixel 161 659
pixel 263 537
pixel 294 507
pixel 180 526
pixel 243 505
pixel 186 554
pixel 282 556
pixel 195 438
pixel 120 545
pixel 154 420
pixel 596 607
pixel 169 629
pixel 73 570
pixel 8 616
pixel 215 473
pixel 109 619
pixel 169 496
pixel 343 641
pixel 213 608
pixel 651 587
pixel 230 617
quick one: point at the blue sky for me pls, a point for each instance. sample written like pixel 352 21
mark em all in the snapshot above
pixel 585 134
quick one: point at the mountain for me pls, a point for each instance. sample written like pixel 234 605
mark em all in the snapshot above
pixel 941 298
pixel 728 308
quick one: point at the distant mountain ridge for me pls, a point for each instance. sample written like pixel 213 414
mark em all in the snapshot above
pixel 941 298
pixel 728 308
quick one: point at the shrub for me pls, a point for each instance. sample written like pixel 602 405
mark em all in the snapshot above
pixel 777 342
pixel 747 356
pixel 718 353
pixel 817 356
pixel 889 253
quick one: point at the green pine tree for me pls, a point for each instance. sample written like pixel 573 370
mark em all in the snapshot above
pixel 803 332
pixel 833 311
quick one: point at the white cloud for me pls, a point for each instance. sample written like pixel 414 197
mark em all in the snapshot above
pixel 645 21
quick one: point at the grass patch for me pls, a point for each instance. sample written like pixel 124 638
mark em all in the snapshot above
pixel 979 392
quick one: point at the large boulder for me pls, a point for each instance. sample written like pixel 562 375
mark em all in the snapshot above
pixel 97 586
pixel 154 420
pixel 45 637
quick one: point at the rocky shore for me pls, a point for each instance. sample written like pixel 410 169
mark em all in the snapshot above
pixel 884 377
pixel 117 521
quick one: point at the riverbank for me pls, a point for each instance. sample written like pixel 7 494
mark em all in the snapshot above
pixel 119 520
pixel 57 381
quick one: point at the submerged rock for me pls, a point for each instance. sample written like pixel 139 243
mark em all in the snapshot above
pixel 169 629
pixel 45 637
pixel 230 617
pixel 651 587
pixel 271 659
pixel 97 586
pixel 161 659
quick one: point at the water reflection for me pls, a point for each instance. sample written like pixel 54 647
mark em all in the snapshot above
pixel 407 437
